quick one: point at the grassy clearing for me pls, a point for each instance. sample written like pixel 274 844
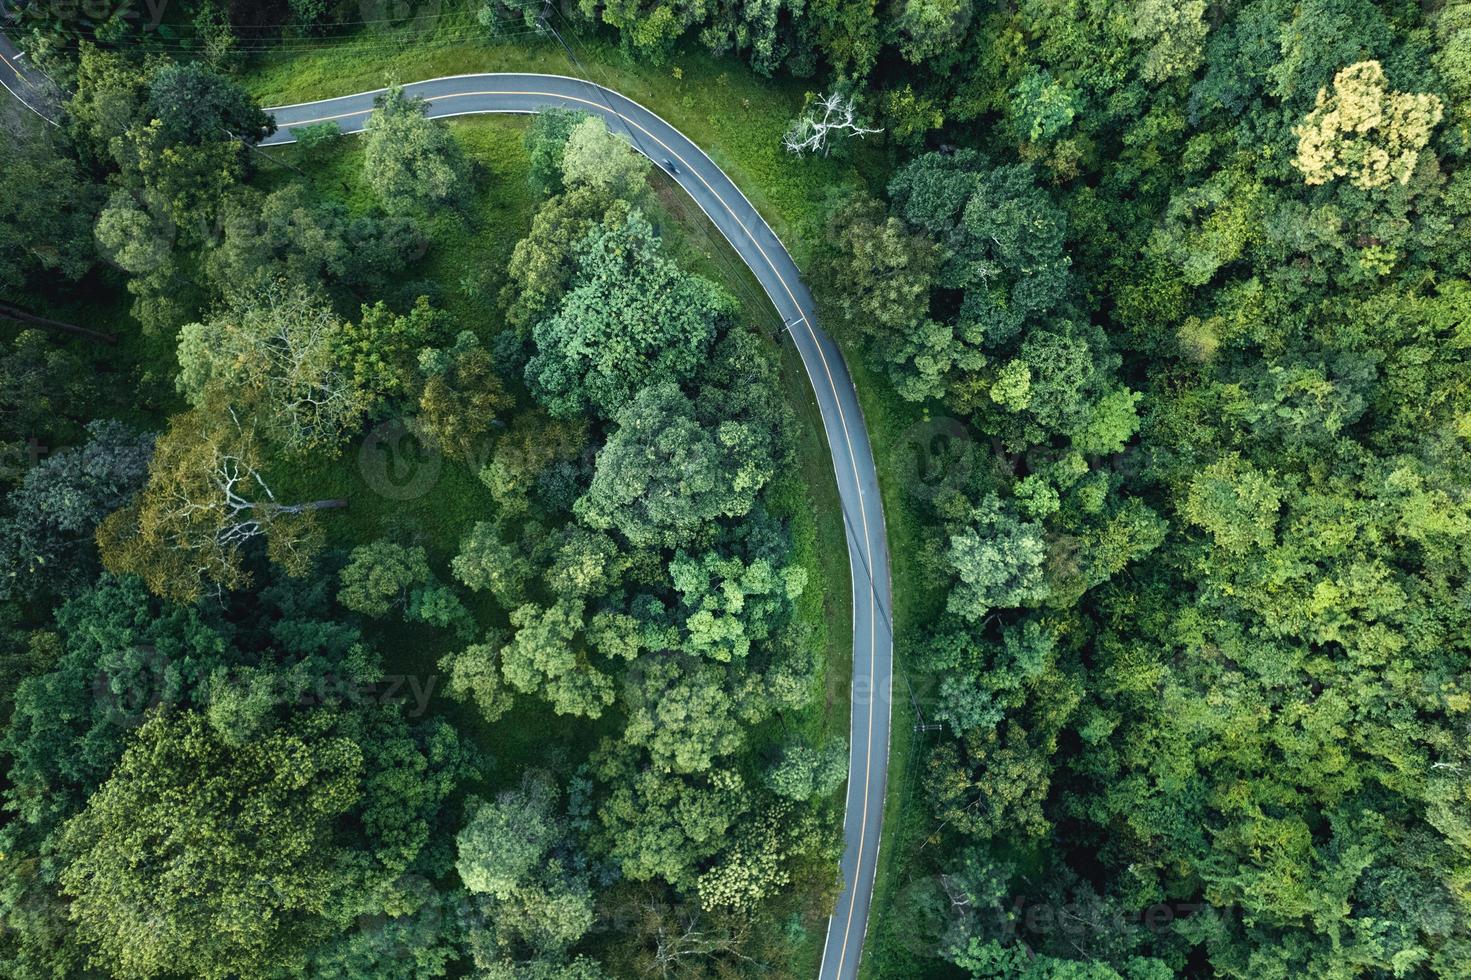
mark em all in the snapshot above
pixel 395 488
pixel 389 483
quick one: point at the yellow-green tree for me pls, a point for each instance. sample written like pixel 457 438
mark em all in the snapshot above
pixel 1364 131
pixel 205 500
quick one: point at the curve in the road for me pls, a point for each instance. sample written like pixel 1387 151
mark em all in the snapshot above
pixel 852 455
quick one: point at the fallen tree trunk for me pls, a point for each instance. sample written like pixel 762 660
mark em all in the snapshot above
pixel 21 316
pixel 311 505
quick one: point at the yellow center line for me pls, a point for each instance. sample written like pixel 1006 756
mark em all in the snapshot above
pixel 604 109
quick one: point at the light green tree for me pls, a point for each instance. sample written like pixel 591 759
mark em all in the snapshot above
pixel 1236 503
pixel 630 316
pixel 1364 131
pixel 596 158
pixel 546 142
pixel 997 559
pixel 683 714
pixel 462 399
pixel 757 863
pixel 486 562
pixel 379 576
pixel 879 273
pixel 931 29
pixel 507 837
pixel 168 868
pixel 475 676
pixel 409 160
pixel 132 237
pixel 655 824
pixel 547 655
pixel 514 855
pixel 806 773
pixel 1177 31
pixel 664 475
pixel 544 262
pixel 729 604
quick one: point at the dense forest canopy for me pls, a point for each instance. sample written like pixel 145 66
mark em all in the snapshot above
pixel 1185 283
pixel 1196 274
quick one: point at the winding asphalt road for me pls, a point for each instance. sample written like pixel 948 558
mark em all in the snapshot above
pixel 759 248
pixel 847 438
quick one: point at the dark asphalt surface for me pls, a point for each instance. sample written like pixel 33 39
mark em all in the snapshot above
pixel 758 246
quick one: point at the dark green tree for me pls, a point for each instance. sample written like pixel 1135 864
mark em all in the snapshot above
pixel 630 316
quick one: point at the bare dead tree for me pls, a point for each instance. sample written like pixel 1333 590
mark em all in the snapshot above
pixel 681 938
pixel 677 941
pixel 205 499
pixel 811 132
pixel 960 898
pixel 230 505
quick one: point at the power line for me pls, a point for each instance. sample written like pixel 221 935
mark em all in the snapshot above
pixel 349 44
